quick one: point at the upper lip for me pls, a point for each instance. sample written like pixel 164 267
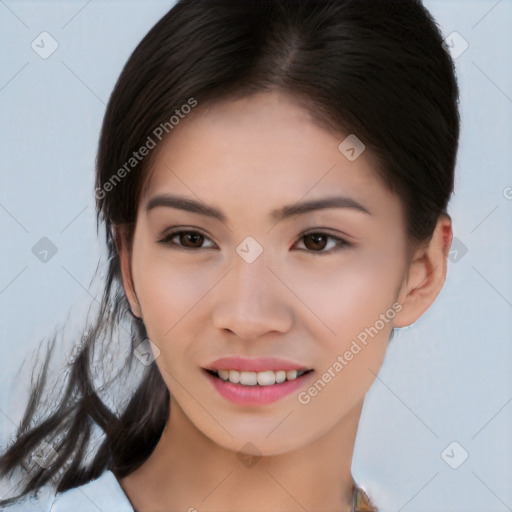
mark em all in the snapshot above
pixel 254 365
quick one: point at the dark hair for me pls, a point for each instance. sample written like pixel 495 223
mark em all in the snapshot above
pixel 373 68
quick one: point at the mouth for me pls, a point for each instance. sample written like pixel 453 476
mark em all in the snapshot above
pixel 258 379
pixel 257 388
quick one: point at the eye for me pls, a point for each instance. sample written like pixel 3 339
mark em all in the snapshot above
pixel 316 242
pixel 187 239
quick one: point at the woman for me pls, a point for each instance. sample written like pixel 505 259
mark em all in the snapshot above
pixel 273 177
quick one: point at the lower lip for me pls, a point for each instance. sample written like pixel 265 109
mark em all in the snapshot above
pixel 256 395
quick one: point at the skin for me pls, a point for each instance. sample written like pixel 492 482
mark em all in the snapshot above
pixel 248 157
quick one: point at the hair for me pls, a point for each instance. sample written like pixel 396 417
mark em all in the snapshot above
pixel 372 68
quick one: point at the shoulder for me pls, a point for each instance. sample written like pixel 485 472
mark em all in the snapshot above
pixel 104 493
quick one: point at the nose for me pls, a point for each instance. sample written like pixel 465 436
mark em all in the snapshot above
pixel 251 301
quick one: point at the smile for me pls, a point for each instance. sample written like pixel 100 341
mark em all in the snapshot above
pixel 257 388
pixel 262 378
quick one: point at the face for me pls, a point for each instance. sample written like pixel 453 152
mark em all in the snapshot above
pixel 266 286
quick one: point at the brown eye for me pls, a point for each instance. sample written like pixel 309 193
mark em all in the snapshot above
pixel 191 239
pixel 318 241
pixel 186 240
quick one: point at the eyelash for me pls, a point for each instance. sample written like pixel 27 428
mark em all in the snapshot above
pixel 341 243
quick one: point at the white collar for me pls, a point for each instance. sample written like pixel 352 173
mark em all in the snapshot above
pixel 105 493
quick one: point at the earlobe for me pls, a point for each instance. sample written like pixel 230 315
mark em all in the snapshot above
pixel 426 274
pixel 124 253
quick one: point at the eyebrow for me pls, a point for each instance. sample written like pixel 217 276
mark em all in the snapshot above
pixel 280 214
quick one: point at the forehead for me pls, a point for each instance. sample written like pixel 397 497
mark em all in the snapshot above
pixel 261 151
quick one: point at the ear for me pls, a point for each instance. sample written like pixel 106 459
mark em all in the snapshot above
pixel 426 274
pixel 123 246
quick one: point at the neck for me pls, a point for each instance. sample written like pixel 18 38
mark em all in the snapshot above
pixel 188 471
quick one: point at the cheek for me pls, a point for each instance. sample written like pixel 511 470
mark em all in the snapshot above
pixel 350 294
pixel 357 305
pixel 356 302
pixel 168 289
pixel 170 298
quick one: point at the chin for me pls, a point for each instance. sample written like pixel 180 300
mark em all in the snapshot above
pixel 265 442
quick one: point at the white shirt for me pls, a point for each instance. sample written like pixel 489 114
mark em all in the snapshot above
pixel 104 493
pixel 101 495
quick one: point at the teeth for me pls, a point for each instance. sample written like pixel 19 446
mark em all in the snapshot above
pixel 234 376
pixel 292 374
pixel 223 374
pixel 280 376
pixel 248 378
pixel 265 378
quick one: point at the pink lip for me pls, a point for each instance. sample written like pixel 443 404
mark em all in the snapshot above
pixel 256 395
pixel 254 365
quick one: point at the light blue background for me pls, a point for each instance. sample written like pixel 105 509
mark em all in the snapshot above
pixel 447 378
